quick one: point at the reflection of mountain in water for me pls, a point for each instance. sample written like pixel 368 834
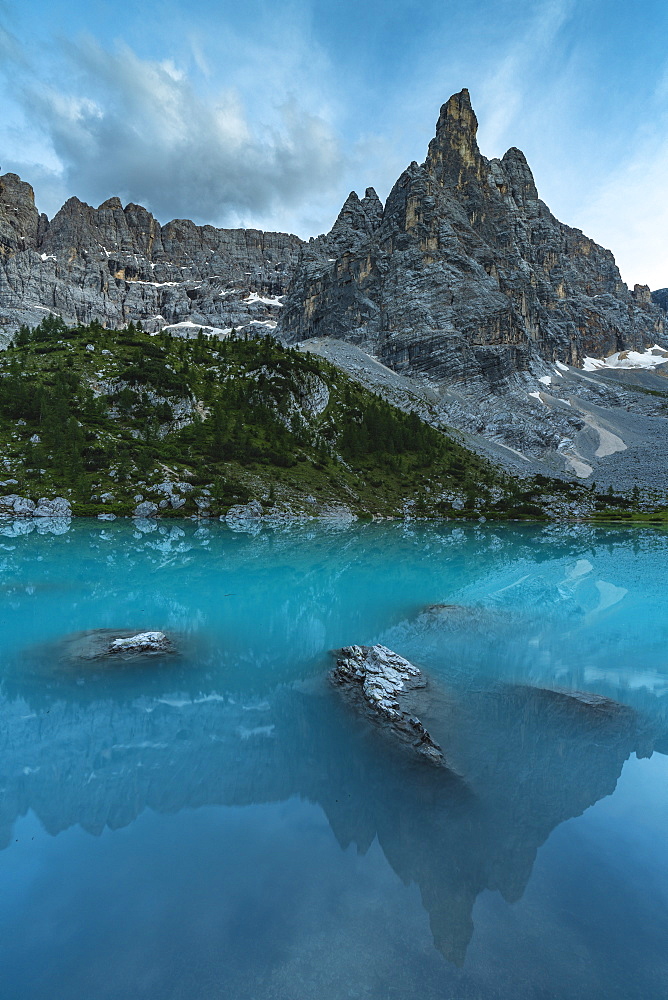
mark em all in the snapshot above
pixel 528 759
pixel 260 611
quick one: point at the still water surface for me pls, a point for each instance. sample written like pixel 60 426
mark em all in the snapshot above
pixel 218 824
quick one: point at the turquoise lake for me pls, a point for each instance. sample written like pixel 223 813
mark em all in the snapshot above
pixel 219 823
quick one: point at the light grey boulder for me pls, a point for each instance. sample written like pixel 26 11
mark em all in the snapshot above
pixel 245 512
pixel 24 507
pixel 58 507
pixel 142 642
pixel 146 509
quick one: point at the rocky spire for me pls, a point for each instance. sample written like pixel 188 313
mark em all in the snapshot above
pixel 373 207
pixel 357 220
pixel 359 215
pixel 454 157
pixel 522 185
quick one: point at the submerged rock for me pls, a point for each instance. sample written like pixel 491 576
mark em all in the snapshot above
pixel 586 699
pixel 376 678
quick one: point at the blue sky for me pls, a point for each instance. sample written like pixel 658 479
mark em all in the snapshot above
pixel 266 114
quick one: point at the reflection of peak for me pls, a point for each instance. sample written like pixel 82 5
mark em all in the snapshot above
pixel 529 761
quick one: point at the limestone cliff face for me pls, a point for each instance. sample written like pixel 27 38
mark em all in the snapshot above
pixel 660 296
pixel 115 264
pixel 21 225
pixel 465 272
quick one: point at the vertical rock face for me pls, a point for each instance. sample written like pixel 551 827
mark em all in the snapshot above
pixel 21 225
pixel 115 264
pixel 464 276
pixel 660 297
pixel 466 272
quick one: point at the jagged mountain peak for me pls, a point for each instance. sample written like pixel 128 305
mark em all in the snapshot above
pixel 468 275
pixel 14 189
pixel 453 155
pixel 518 180
pixel 359 214
pixel 457 109
pixel 116 264
pixel 113 204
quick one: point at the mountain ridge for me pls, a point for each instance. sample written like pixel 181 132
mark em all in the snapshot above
pixel 464 283
pixel 467 258
pixel 488 204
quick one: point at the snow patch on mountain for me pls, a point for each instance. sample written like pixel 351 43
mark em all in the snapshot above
pixel 651 358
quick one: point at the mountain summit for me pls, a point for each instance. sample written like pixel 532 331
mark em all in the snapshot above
pixel 467 272
pixel 462 298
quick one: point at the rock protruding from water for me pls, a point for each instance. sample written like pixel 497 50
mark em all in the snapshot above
pixel 106 644
pixel 143 642
pixel 376 679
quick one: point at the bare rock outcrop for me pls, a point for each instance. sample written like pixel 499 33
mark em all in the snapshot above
pixel 466 273
pixel 660 297
pixel 21 225
pixel 115 265
pixel 377 679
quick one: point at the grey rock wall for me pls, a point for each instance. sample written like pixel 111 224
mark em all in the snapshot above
pixel 466 273
pixel 660 297
pixel 115 264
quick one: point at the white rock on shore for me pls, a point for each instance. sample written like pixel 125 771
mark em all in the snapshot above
pixel 19 506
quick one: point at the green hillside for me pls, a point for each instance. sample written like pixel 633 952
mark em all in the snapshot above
pixel 86 412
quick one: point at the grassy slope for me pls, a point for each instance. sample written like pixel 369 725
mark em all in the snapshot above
pixel 120 411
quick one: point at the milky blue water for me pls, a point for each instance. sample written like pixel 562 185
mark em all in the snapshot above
pixel 218 823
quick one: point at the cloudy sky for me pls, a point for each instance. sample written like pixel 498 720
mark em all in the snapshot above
pixel 267 113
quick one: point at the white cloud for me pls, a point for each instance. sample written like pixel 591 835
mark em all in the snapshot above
pixel 140 129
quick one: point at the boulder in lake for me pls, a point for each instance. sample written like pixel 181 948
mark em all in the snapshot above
pixel 376 679
pixel 142 642
pixel 595 704
pixel 113 644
